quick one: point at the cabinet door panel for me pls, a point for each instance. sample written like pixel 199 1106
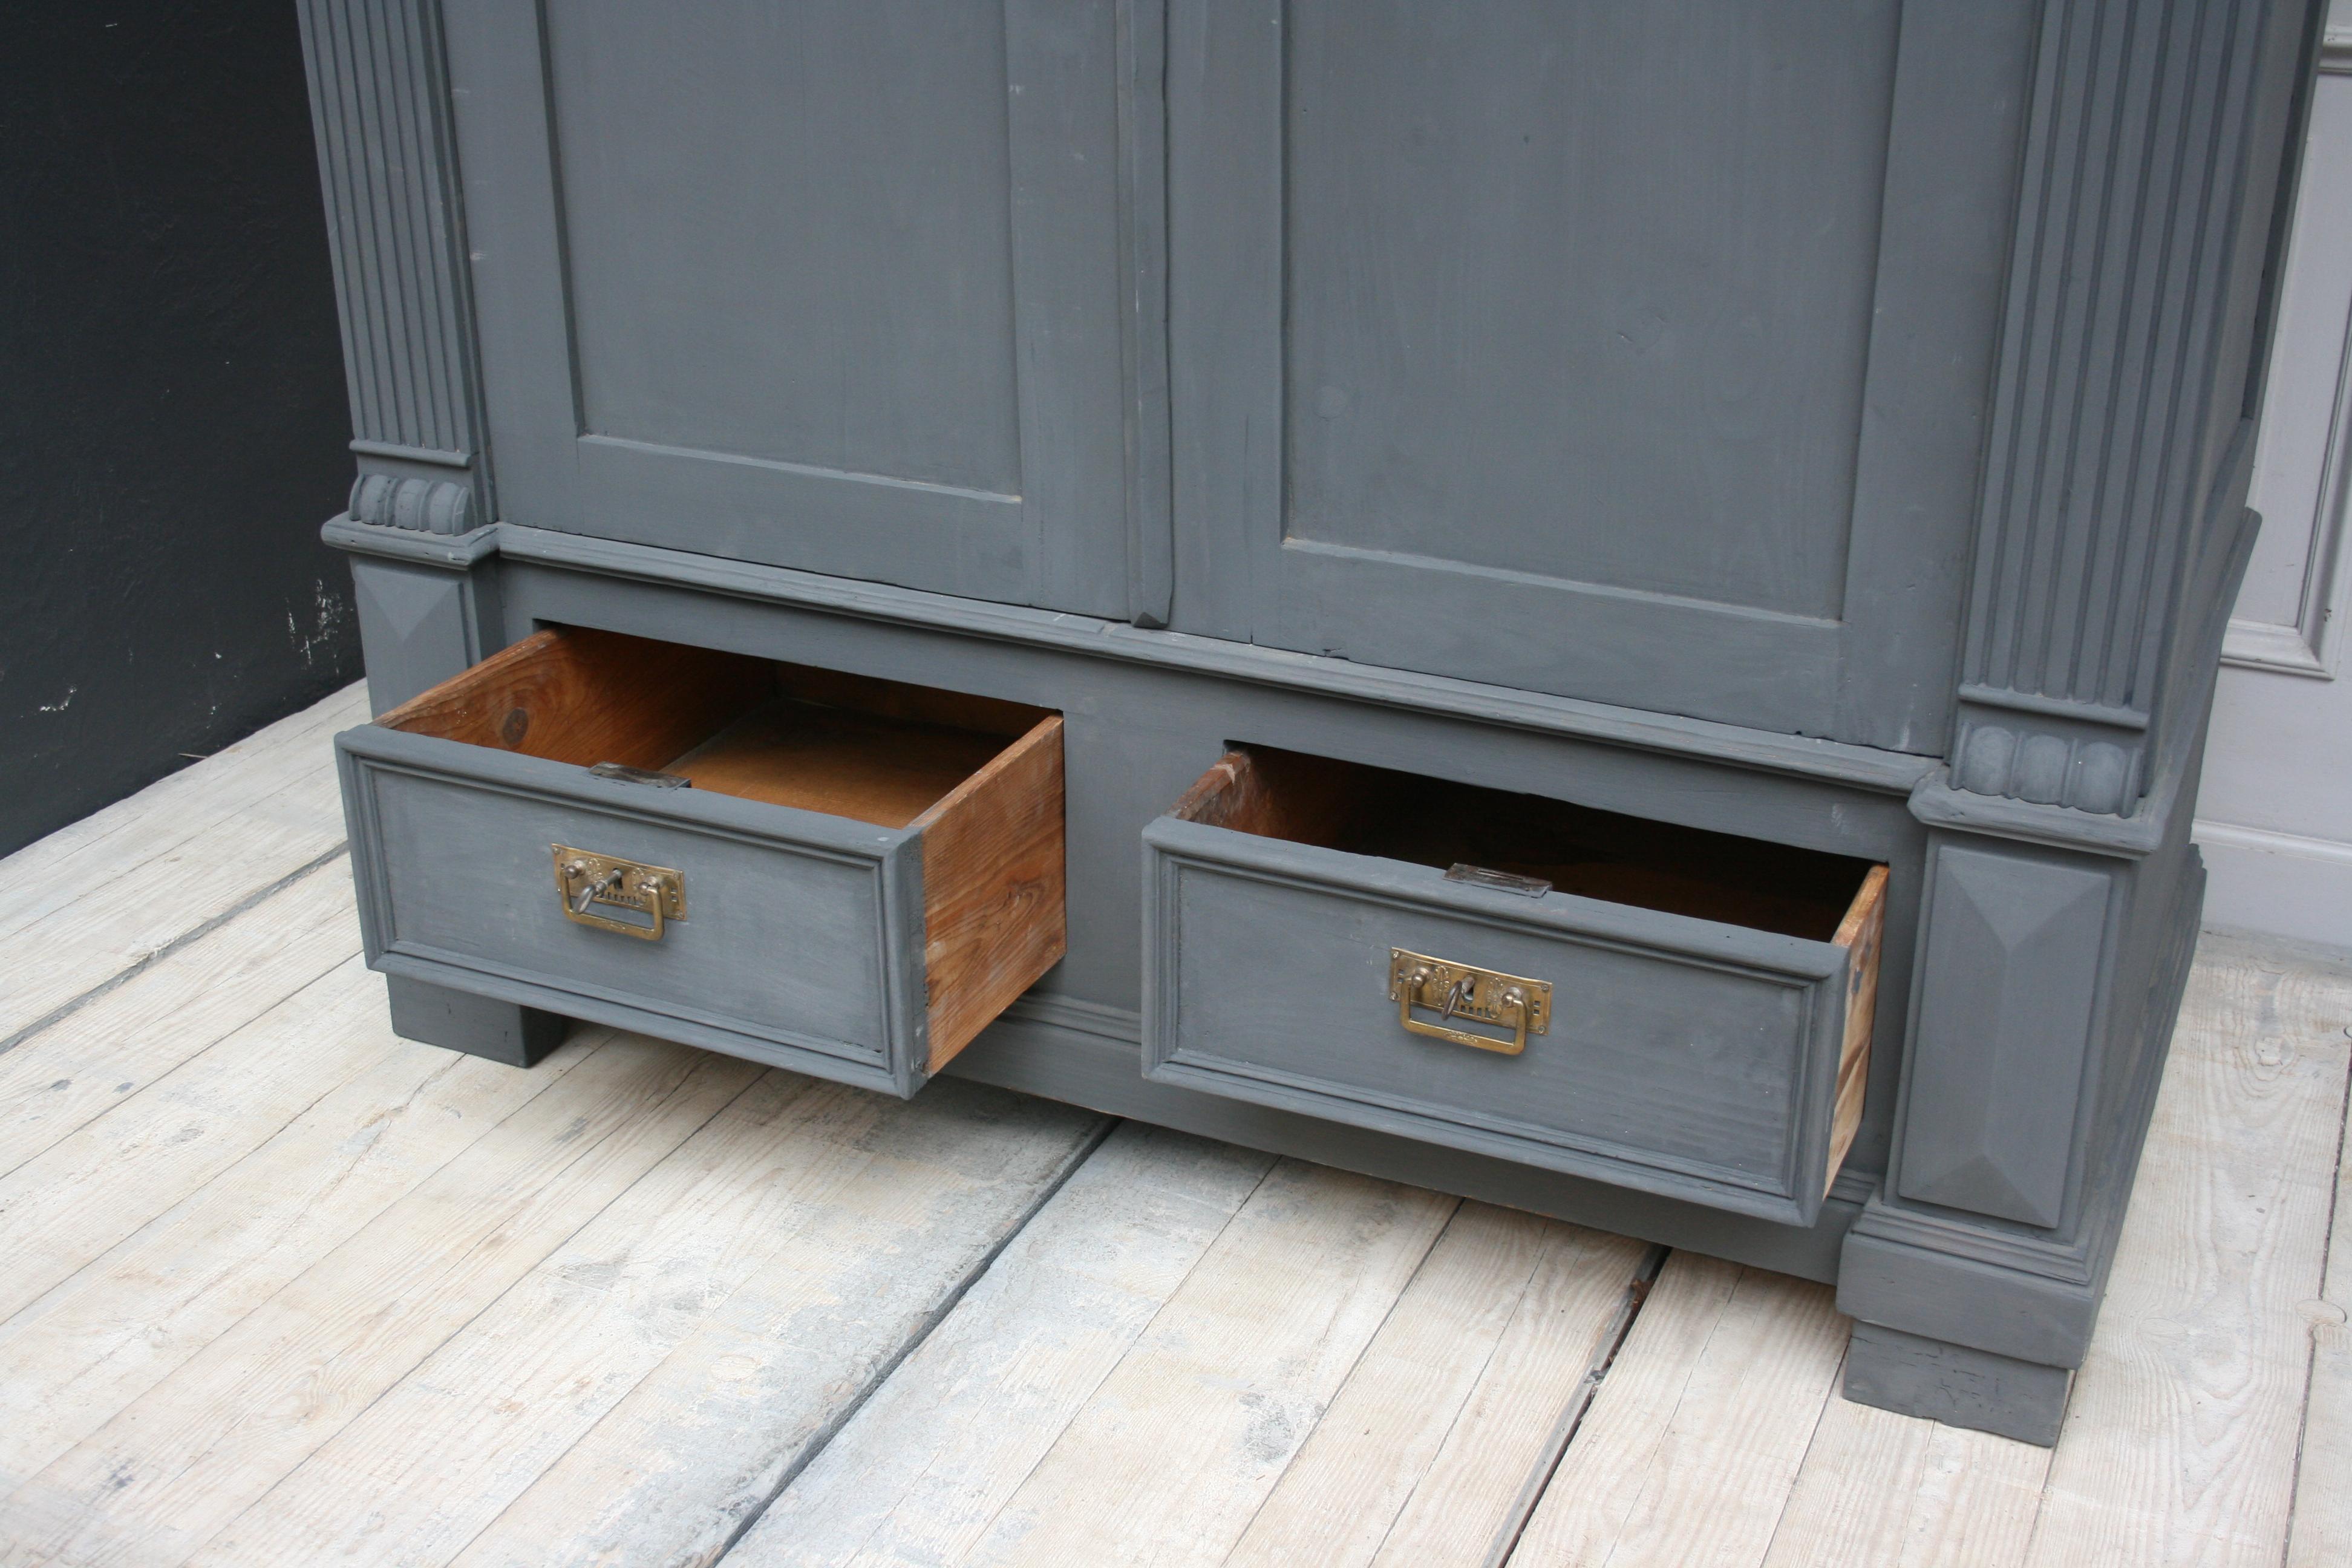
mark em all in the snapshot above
pixel 1550 344
pixel 831 285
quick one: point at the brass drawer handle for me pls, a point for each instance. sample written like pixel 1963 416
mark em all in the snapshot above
pixel 583 881
pixel 1462 990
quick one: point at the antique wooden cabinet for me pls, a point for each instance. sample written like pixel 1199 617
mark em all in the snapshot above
pixel 1608 607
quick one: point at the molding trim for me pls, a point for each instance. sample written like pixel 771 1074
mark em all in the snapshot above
pixel 1938 803
pixel 459 553
pixel 387 164
pixel 1995 1286
pixel 2281 885
pixel 2336 51
pixel 2262 841
pixel 2097 491
pixel 2278 649
pixel 1862 767
pixel 2305 647
pixel 433 457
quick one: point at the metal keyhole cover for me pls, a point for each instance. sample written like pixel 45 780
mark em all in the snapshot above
pixel 584 880
pixel 1455 989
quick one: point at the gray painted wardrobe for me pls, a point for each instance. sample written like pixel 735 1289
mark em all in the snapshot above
pixel 1609 607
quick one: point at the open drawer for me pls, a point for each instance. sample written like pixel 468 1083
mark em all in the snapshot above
pixel 1665 1008
pixel 847 876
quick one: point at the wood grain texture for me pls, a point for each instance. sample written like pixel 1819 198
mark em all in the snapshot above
pixel 59 1079
pixel 79 1197
pixel 879 751
pixel 1442 822
pixel 907 702
pixel 2321 1534
pixel 841 764
pixel 1178 1445
pixel 629 1398
pixel 1443 1429
pixel 125 1321
pixel 923 1468
pixel 1690 1449
pixel 575 695
pixel 1882 1490
pixel 1863 933
pixel 2180 1436
pixel 993 899
pixel 186 1457
pixel 112 907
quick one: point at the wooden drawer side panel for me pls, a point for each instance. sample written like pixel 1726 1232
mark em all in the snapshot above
pixel 1862 935
pixel 993 910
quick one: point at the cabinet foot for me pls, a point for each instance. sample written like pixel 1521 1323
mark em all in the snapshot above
pixel 502 1031
pixel 1913 1375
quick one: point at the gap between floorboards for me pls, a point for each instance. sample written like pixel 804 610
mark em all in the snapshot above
pixel 138 966
pixel 923 1331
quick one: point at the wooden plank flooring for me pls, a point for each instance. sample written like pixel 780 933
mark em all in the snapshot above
pixel 283 1289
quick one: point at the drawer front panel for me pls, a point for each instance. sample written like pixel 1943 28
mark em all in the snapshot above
pixel 1681 1058
pixel 805 946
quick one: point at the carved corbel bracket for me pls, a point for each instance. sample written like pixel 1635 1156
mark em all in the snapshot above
pixel 424 506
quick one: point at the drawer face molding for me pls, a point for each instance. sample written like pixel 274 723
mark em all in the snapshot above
pixel 1696 1058
pixel 872 877
pixel 786 942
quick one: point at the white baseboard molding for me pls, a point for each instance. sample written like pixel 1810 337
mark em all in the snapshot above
pixel 2279 884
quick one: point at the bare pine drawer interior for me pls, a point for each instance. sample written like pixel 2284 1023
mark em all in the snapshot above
pixel 1661 1007
pixel 846 876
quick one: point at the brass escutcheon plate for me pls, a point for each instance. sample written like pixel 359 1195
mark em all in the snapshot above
pixel 1454 990
pixel 656 892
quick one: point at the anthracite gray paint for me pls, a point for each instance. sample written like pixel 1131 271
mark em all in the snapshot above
pixel 1386 396
pixel 450 844
pixel 170 400
pixel 1692 1059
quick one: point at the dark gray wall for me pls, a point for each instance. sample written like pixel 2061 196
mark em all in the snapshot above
pixel 171 406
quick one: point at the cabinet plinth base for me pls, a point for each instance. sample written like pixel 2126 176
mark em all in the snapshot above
pixel 1914 1375
pixel 478 1025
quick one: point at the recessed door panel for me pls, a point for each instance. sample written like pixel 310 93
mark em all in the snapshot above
pixel 1543 318
pixel 789 235
pixel 1633 352
pixel 832 285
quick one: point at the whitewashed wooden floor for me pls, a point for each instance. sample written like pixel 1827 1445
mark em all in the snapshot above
pixel 278 1288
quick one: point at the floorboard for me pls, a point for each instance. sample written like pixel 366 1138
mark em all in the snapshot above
pixel 183 1460
pixel 1881 1491
pixel 84 1193
pixel 283 1289
pixel 932 1458
pixel 191 849
pixel 58 1080
pixel 2180 1432
pixel 737 1411
pixel 2321 1533
pixel 111 843
pixel 1444 1431
pixel 1697 1434
pixel 129 1317
pixel 1171 1455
